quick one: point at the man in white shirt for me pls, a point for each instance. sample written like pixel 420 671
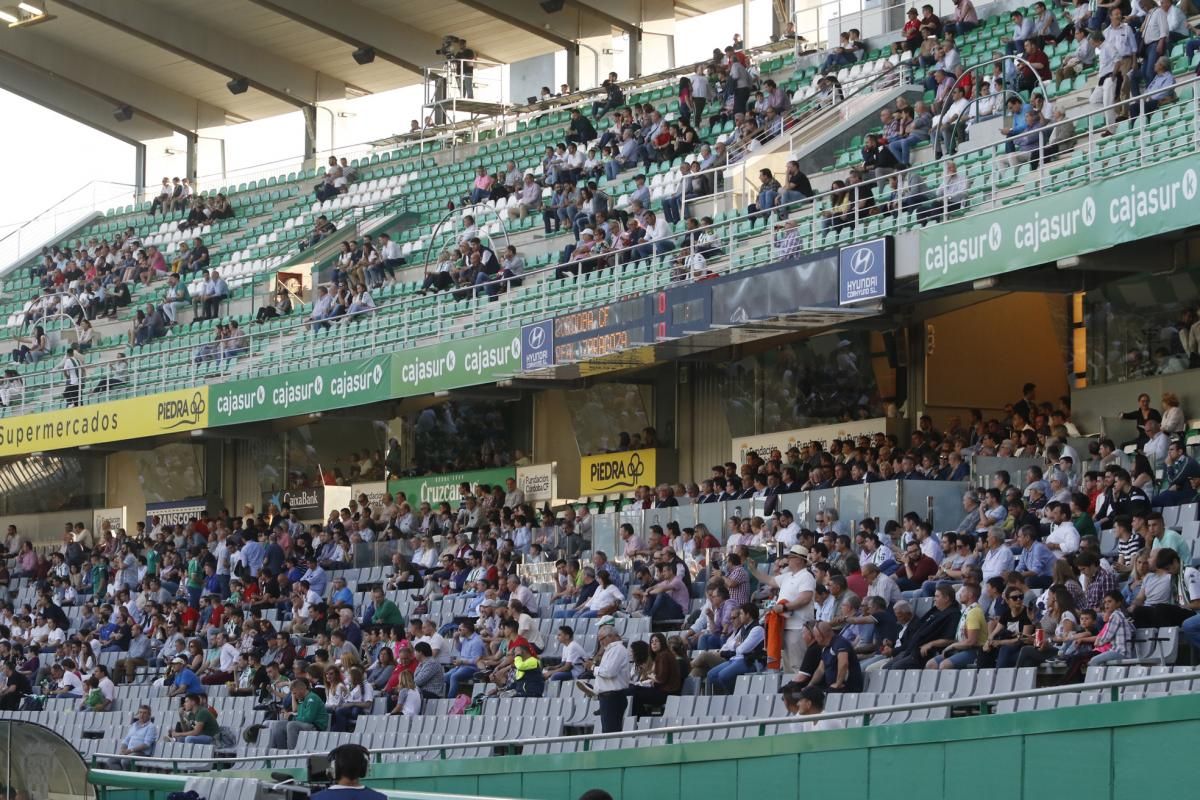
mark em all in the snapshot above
pixel 1064 537
pixel 789 532
pixel 215 291
pixel 881 585
pixel 612 679
pixel 810 701
pixel 528 199
pixel 391 256
pixel 797 587
pixel 1123 40
pixel 470 230
pixel 998 560
pixel 1156 446
pixel 72 369
pixel 658 237
pixel 172 295
pixel 321 308
pixel 571 665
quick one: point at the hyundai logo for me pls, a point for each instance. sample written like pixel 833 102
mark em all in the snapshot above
pixel 537 337
pixel 862 261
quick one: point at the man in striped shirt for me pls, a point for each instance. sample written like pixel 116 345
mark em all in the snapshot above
pixel 1099 580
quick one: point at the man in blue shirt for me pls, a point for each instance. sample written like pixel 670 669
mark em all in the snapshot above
pixel 316 577
pixel 342 596
pixel 253 554
pixel 185 681
pixel 470 650
pixel 1036 562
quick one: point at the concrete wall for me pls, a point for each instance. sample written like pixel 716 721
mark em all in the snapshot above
pixel 1015 755
pixel 554 439
pixel 1110 400
pixel 983 354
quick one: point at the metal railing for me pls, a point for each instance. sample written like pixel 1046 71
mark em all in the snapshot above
pixel 147 380
pixel 765 725
pixel 813 108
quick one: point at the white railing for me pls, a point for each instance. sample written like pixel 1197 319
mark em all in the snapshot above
pixel 766 725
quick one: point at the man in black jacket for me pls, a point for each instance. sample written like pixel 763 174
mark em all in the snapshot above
pixel 939 624
pixel 582 130
pixel 615 98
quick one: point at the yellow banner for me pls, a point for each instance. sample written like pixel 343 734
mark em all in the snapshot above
pixel 154 415
pixel 617 472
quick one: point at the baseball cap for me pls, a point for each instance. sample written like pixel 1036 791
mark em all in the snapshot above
pixel 798 550
pixel 177 660
pixel 587 232
pixel 1040 486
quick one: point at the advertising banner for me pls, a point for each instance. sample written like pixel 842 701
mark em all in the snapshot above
pixel 374 490
pixel 115 517
pixel 307 504
pixel 617 472
pixel 175 512
pixel 443 487
pixel 538 481
pixel 864 271
pixel 324 388
pixel 764 443
pixel 169 412
pixel 1153 200
pixel 537 349
pixel 452 365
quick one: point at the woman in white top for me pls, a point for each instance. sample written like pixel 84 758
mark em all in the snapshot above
pixel 357 697
pixel 362 301
pixel 527 626
pixel 408 697
pixel 1172 415
pixel 85 337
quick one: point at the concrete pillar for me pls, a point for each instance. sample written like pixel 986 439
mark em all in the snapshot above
pixel 139 168
pixel 573 66
pixel 192 157
pixel 310 136
pixel 635 53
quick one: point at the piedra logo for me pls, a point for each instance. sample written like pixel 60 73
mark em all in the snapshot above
pixel 617 473
pixel 177 413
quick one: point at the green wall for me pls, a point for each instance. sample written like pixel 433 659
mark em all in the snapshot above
pixel 1109 751
pixel 1101 752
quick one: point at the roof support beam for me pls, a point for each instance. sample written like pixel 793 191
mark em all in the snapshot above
pixel 616 22
pixel 63 97
pixel 190 38
pixel 402 45
pixel 111 83
pixel 508 13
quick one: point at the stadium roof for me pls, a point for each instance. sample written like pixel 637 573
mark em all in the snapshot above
pixel 169 61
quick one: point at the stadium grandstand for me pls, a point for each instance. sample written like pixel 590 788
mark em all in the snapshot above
pixel 777 420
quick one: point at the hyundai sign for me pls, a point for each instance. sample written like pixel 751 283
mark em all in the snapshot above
pixel 537 346
pixel 864 271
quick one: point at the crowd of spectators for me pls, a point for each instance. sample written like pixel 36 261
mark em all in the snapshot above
pixel 1020 581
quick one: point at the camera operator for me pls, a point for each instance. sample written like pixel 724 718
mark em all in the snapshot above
pixel 466 68
pixel 348 766
pixel 460 59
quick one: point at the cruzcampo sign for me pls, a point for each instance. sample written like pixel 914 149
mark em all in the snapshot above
pixel 1145 202
pixel 434 489
pixel 350 383
pixel 457 363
